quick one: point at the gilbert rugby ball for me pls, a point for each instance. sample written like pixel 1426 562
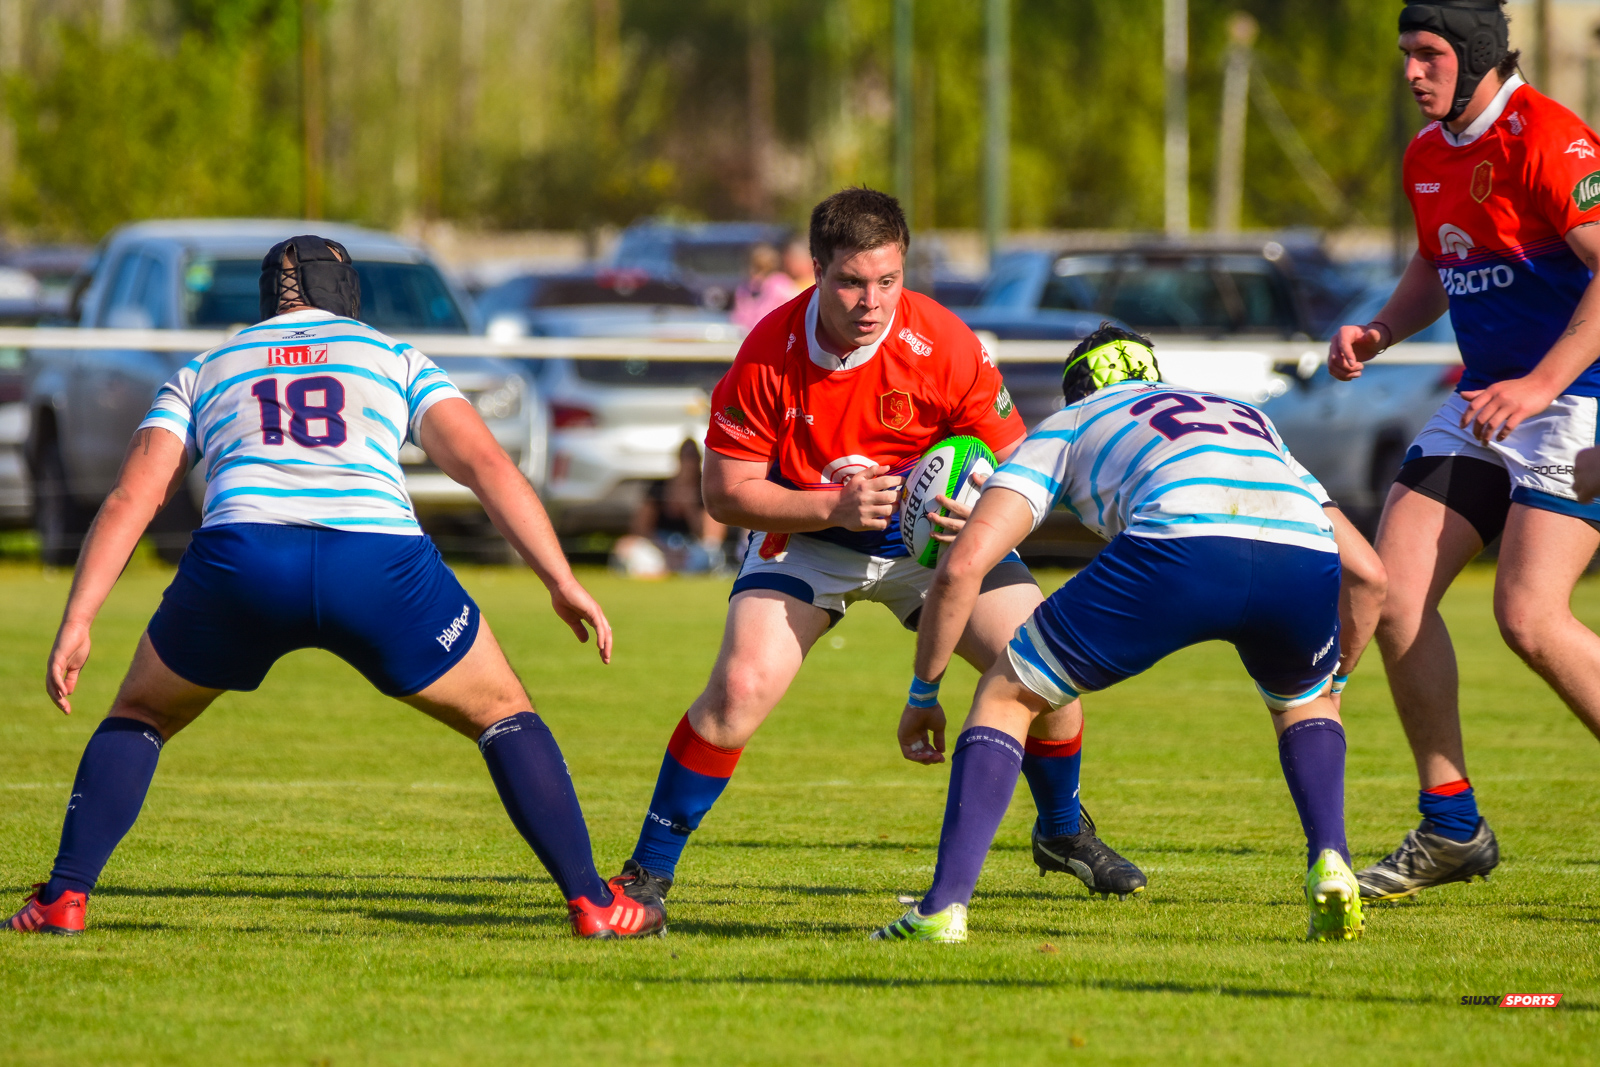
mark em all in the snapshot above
pixel 944 470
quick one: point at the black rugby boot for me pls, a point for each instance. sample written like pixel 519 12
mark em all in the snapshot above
pixel 641 884
pixel 1089 860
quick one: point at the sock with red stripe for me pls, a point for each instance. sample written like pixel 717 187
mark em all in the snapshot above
pixel 531 777
pixel 694 773
pixel 1451 808
pixel 983 775
pixel 113 777
pixel 1311 753
pixel 1051 768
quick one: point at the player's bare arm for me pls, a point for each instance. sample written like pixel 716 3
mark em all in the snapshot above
pixel 1363 585
pixel 1418 301
pixel 455 438
pixel 998 524
pixel 959 513
pixel 1492 413
pixel 152 472
pixel 738 493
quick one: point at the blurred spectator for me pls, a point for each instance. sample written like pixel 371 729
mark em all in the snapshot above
pixel 767 288
pixel 671 531
pixel 797 265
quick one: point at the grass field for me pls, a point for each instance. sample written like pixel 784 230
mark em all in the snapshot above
pixel 322 876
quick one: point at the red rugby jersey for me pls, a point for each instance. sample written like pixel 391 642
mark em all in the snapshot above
pixel 1493 216
pixel 927 379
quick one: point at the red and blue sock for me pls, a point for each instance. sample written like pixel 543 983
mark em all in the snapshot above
pixel 1311 753
pixel 983 775
pixel 694 772
pixel 1051 768
pixel 113 778
pixel 531 777
pixel 1451 809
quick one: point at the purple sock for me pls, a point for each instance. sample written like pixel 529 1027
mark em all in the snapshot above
pixel 1312 754
pixel 983 775
pixel 531 777
pixel 113 777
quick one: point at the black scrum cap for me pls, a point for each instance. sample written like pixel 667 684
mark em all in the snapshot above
pixel 319 273
pixel 1476 29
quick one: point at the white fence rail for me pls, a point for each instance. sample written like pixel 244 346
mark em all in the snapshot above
pixel 1303 354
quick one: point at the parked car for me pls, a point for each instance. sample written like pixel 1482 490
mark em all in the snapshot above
pixel 1197 288
pixel 602 302
pixel 84 404
pixel 615 425
pixel 1353 436
pixel 712 258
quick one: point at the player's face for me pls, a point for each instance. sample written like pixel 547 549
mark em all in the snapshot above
pixel 858 292
pixel 1430 71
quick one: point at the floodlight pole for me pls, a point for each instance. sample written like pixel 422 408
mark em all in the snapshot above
pixel 1227 200
pixel 310 110
pixel 904 132
pixel 997 169
pixel 1176 54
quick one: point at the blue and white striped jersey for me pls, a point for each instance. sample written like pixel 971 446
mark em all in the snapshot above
pixel 299 421
pixel 1157 461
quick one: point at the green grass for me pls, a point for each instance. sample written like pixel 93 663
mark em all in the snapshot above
pixel 324 876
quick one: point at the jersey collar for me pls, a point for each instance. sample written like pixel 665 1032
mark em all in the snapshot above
pixel 827 360
pixel 1490 116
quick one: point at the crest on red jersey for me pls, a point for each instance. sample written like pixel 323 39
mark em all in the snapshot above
pixel 895 409
pixel 1482 181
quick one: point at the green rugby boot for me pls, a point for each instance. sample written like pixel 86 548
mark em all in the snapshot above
pixel 948 927
pixel 1334 899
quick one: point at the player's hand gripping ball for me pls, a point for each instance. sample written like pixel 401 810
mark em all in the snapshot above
pixel 944 470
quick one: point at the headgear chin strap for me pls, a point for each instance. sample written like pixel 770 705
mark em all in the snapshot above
pixel 1476 29
pixel 319 273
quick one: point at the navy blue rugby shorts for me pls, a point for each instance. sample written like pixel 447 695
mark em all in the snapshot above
pixel 1144 598
pixel 248 593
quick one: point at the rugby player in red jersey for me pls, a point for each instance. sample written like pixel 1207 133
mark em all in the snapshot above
pixel 832 399
pixel 1505 187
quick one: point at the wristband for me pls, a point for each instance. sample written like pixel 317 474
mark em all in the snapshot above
pixel 1388 329
pixel 923 694
pixel 1339 681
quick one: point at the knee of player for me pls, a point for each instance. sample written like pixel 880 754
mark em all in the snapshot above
pixel 744 687
pixel 1523 628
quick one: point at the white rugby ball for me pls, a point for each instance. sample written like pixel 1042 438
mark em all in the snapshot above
pixel 944 470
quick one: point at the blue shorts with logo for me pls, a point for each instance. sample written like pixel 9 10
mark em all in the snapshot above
pixel 248 593
pixel 1143 598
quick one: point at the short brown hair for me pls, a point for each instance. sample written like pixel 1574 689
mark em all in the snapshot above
pixel 858 218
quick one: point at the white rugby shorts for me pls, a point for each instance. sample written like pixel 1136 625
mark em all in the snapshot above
pixel 1538 455
pixel 833 577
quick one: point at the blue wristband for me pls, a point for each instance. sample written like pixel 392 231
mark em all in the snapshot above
pixel 1339 681
pixel 923 694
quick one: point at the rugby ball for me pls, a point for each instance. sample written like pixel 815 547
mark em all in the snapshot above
pixel 944 470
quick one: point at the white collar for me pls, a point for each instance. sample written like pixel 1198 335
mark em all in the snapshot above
pixel 1491 115
pixel 827 360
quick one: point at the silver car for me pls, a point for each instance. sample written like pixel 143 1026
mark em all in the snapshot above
pixel 1353 436
pixel 84 404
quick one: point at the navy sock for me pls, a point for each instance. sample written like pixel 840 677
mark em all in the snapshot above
pixel 531 777
pixel 1312 755
pixel 1451 808
pixel 694 772
pixel 113 777
pixel 1051 768
pixel 983 775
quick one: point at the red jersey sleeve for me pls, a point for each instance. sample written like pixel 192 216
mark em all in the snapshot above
pixel 985 410
pixel 1562 170
pixel 744 406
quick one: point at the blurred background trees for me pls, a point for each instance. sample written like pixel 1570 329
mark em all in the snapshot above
pixel 572 114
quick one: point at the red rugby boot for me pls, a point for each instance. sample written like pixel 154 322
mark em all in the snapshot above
pixel 64 917
pixel 623 917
